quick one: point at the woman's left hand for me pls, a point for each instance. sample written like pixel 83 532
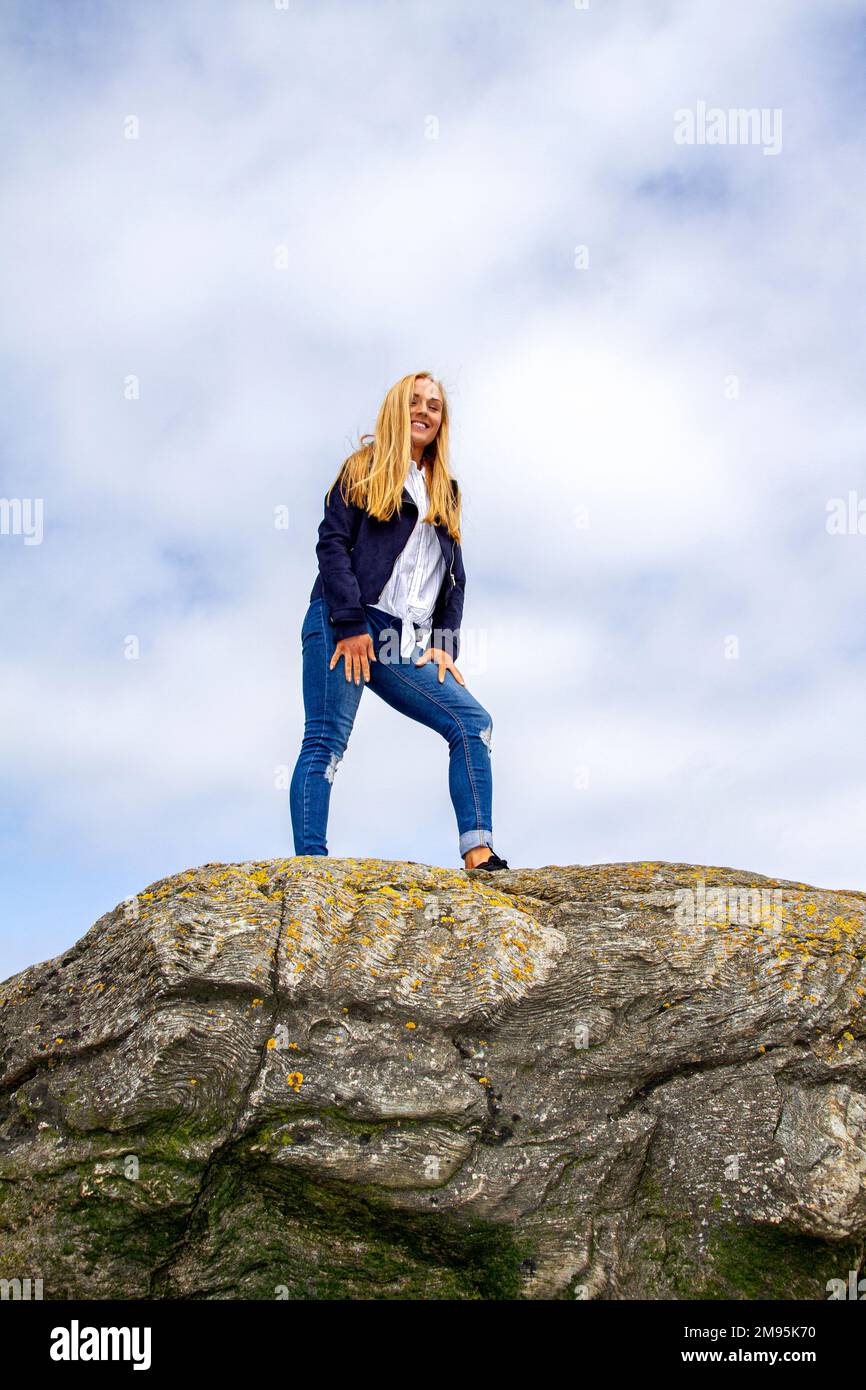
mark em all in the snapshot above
pixel 443 661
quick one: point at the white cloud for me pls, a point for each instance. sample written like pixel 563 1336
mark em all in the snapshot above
pixel 607 388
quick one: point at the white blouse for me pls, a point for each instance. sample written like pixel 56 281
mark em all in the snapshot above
pixel 416 578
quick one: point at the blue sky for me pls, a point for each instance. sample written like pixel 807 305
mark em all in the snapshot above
pixel 622 727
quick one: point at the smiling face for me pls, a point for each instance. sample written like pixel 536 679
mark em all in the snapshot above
pixel 425 413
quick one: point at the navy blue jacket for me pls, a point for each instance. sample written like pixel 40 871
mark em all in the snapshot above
pixel 356 555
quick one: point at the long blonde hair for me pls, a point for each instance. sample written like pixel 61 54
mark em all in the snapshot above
pixel 373 476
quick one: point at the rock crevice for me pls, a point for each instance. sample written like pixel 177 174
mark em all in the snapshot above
pixel 349 1078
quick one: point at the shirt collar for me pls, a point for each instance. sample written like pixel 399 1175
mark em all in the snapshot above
pixel 416 476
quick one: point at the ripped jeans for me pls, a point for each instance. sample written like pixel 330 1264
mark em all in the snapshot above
pixel 331 703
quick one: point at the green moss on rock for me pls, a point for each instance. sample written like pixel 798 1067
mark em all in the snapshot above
pixel 266 1233
pixel 769 1262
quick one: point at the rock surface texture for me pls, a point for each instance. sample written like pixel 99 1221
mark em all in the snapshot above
pixel 342 1078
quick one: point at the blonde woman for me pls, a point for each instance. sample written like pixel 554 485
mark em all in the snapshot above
pixel 385 611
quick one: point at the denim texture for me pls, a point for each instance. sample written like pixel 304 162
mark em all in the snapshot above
pixel 331 703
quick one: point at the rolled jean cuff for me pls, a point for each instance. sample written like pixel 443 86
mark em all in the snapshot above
pixel 471 838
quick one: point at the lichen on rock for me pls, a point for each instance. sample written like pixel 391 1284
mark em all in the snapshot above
pixel 357 1078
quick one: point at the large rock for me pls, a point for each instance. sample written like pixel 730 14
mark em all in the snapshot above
pixel 347 1078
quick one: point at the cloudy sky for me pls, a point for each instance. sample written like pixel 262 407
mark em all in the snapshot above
pixel 229 227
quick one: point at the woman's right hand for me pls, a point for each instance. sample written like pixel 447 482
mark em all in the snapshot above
pixel 357 652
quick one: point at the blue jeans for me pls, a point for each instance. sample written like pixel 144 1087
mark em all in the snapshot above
pixel 331 703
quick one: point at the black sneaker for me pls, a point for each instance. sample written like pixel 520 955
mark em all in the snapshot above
pixel 491 863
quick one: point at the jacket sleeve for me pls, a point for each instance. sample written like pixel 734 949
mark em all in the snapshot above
pixel 449 609
pixel 449 616
pixel 453 605
pixel 338 531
